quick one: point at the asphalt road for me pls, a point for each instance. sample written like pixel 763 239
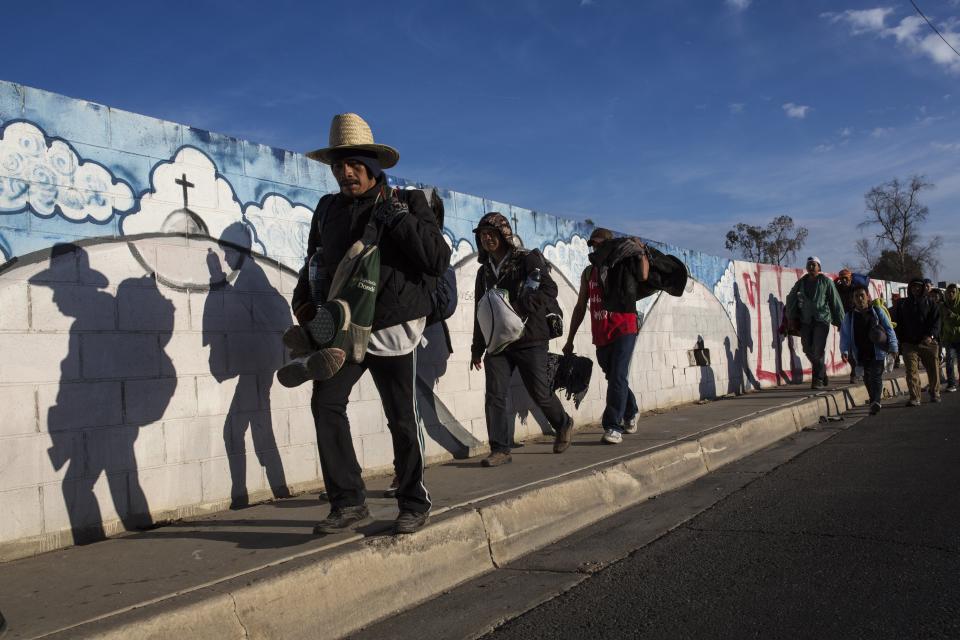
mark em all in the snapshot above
pixel 857 537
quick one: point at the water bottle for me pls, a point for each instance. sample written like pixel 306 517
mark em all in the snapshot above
pixel 533 280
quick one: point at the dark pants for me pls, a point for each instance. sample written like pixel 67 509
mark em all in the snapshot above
pixel 813 337
pixel 873 378
pixel 614 360
pixel 532 363
pixel 394 378
pixel 953 351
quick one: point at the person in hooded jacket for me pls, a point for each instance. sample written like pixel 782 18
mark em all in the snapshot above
pixel 503 264
pixel 950 333
pixel 866 336
pixel 812 306
pixel 918 328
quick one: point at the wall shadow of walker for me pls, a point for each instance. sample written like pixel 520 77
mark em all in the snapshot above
pixel 79 441
pixel 241 315
pixel 440 423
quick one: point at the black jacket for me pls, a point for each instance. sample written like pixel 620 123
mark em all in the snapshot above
pixel 917 317
pixel 621 273
pixel 410 253
pixel 533 306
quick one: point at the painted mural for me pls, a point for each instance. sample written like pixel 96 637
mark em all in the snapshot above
pixel 145 278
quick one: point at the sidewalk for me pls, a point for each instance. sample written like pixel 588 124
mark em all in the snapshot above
pixel 248 573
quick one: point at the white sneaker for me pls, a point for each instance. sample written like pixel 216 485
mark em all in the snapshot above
pixel 630 426
pixel 612 436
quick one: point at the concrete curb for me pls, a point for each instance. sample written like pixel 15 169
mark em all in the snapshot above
pixel 369 579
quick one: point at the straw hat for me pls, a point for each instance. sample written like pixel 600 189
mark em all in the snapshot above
pixel 350 131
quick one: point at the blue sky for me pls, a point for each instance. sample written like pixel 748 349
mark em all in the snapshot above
pixel 674 120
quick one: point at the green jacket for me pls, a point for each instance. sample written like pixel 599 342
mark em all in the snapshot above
pixel 950 317
pixel 824 306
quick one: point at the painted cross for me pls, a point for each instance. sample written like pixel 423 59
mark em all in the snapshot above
pixel 183 182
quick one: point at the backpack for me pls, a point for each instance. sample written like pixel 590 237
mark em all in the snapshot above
pixel 443 290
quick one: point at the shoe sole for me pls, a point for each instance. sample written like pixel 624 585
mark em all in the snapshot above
pixel 611 441
pixel 320 365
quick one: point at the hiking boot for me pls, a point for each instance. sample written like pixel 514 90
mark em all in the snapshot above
pixel 496 458
pixel 875 408
pixel 612 436
pixel 630 426
pixel 564 434
pixel 409 521
pixel 340 520
pixel 319 365
pixel 391 491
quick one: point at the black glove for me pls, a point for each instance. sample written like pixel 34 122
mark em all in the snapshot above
pixel 389 214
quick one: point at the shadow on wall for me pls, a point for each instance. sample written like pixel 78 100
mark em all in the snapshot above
pixel 439 421
pixel 738 364
pixel 708 380
pixel 240 319
pixel 88 453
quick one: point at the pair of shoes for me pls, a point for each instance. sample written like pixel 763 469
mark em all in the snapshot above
pixel 564 434
pixel 409 521
pixel 952 388
pixel 912 403
pixel 319 365
pixel 340 519
pixel 391 491
pixel 612 436
pixel 875 408
pixel 630 426
pixel 496 458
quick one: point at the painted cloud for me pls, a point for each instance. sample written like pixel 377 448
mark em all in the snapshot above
pixel 186 196
pixel 48 178
pixel 460 250
pixel 282 228
pixel 570 258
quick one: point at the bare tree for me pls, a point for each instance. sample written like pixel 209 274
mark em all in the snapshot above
pixel 895 212
pixel 783 241
pixel 778 242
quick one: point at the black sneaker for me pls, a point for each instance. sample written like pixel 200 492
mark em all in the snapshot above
pixel 409 521
pixel 340 520
pixel 391 491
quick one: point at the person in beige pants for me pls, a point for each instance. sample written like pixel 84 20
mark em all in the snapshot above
pixel 918 327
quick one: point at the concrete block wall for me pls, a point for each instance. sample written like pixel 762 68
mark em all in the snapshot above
pixel 137 373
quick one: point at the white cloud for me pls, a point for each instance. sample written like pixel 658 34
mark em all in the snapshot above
pixel 911 33
pixel 846 132
pixel 459 250
pixel 738 5
pixel 586 3
pixel 798 111
pixel 52 177
pixel 736 107
pixel 823 148
pixel 946 146
pixel 570 258
pixel 881 132
pixel 861 21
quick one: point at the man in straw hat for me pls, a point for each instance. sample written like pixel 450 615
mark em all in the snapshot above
pixel 411 247
pixel 615 336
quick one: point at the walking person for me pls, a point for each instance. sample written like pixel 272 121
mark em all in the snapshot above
pixel 866 336
pixel 412 249
pixel 813 304
pixel 918 327
pixel 532 293
pixel 845 287
pixel 950 334
pixel 615 336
